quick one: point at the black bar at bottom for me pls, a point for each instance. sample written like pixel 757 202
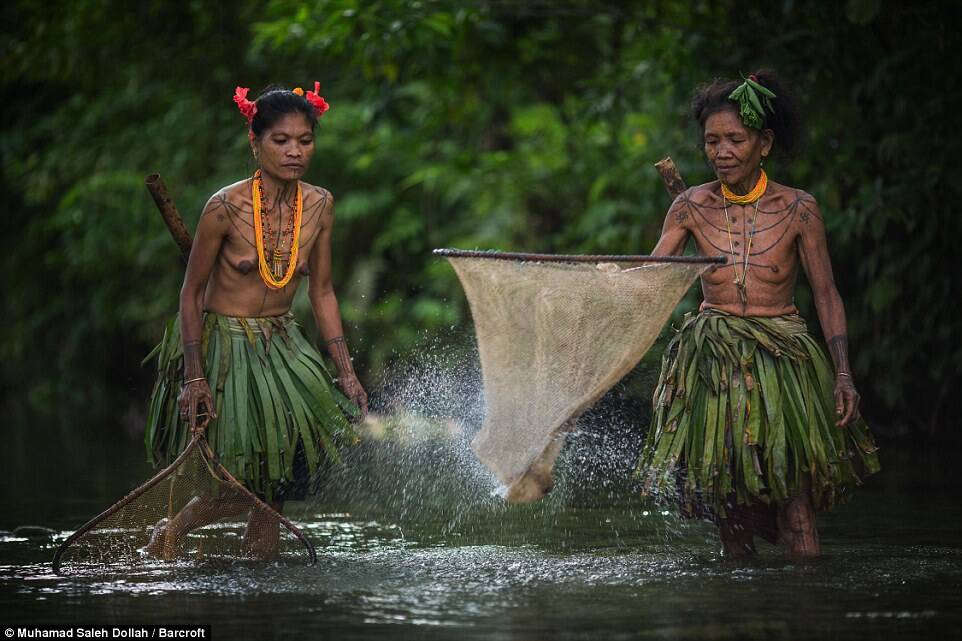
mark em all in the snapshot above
pixel 103 631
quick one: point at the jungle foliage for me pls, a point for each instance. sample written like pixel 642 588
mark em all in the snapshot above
pixel 518 126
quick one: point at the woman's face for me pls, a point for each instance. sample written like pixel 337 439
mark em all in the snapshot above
pixel 284 150
pixel 734 150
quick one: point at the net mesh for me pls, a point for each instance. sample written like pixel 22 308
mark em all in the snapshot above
pixel 192 509
pixel 553 338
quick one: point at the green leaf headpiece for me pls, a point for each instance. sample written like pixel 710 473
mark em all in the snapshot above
pixel 751 107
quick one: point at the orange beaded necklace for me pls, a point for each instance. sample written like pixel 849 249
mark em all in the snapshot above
pixel 270 274
pixel 751 196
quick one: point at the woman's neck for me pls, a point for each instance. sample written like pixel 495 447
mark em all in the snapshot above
pixel 745 186
pixel 276 189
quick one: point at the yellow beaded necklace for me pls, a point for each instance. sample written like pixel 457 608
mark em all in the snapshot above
pixel 751 196
pixel 268 274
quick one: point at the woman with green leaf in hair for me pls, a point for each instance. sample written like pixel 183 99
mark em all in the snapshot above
pixel 753 427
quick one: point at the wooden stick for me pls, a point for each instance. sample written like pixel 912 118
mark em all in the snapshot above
pixel 674 183
pixel 168 210
pixel 577 258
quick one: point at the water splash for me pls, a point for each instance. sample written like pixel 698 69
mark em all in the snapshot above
pixel 415 466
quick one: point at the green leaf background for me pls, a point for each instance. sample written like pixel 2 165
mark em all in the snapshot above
pixel 512 126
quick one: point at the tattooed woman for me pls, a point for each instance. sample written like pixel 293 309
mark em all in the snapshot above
pixel 237 363
pixel 752 428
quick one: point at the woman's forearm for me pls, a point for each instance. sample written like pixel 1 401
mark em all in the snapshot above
pixel 328 317
pixel 831 315
pixel 190 331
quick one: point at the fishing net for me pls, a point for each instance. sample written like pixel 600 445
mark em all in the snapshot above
pixel 553 337
pixel 192 509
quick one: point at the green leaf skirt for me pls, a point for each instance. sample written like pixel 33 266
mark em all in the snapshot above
pixel 744 413
pixel 276 402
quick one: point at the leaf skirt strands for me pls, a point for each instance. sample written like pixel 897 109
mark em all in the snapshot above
pixel 744 417
pixel 276 403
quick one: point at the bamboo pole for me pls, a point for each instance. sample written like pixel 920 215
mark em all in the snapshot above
pixel 576 258
pixel 674 183
pixel 168 211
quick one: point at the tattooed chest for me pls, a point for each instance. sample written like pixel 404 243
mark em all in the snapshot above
pixel 769 249
pixel 763 240
pixel 240 251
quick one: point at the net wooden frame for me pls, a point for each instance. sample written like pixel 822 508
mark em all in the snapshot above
pixel 197 445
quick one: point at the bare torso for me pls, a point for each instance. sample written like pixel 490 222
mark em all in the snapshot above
pixel 789 235
pixel 223 270
pixel 234 287
pixel 773 251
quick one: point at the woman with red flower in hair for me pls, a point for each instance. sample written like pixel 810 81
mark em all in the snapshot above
pixel 236 363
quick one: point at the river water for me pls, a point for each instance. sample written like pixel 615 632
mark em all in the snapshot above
pixel 413 543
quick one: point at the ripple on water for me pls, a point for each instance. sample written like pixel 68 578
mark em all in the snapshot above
pixel 409 532
pixel 375 571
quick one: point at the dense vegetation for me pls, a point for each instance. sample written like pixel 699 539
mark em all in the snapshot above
pixel 517 126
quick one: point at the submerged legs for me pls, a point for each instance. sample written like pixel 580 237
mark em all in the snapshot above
pixel 796 526
pixel 793 526
pixel 260 538
pixel 790 523
pixel 263 533
pixel 168 534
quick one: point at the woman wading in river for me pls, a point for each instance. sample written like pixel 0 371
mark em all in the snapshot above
pixel 239 367
pixel 752 427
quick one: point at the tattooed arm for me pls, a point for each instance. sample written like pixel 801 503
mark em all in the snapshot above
pixel 674 232
pixel 211 231
pixel 813 252
pixel 326 312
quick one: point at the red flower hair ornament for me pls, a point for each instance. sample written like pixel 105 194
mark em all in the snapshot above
pixel 249 107
pixel 317 100
pixel 246 107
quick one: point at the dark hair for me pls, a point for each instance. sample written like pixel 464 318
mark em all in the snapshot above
pixel 274 103
pixel 785 121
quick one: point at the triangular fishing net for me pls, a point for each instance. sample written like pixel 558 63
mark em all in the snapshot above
pixel 192 509
pixel 553 336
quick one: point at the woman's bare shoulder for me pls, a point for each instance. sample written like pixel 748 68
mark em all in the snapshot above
pixel 805 212
pixel 316 197
pixel 792 199
pixel 235 191
pixel 788 193
pixel 315 191
pixel 704 194
pixel 230 200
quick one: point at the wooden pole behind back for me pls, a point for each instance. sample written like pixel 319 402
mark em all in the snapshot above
pixel 674 183
pixel 168 210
